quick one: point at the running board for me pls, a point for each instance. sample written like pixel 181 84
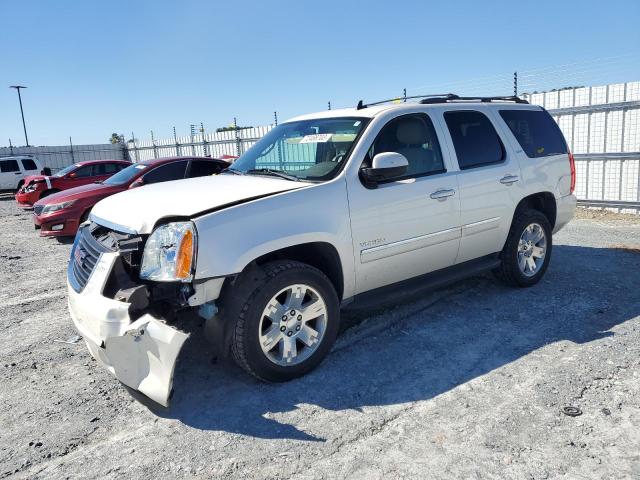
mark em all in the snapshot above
pixel 410 288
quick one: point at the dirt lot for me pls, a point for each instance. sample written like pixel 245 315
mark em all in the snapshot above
pixel 465 382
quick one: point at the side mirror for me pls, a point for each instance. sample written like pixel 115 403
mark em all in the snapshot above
pixel 138 183
pixel 384 166
pixel 46 171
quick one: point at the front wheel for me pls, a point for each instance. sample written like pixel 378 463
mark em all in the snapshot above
pixel 527 251
pixel 286 323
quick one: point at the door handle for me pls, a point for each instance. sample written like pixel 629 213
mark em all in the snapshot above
pixel 509 179
pixel 18 173
pixel 442 194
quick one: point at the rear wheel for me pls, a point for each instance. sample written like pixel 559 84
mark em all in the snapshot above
pixel 286 322
pixel 527 251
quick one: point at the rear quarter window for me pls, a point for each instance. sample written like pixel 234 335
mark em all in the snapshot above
pixel 29 164
pixel 535 131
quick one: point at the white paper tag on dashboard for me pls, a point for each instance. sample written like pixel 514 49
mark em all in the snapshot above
pixel 317 138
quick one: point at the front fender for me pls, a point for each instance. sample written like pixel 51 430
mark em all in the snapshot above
pixel 230 239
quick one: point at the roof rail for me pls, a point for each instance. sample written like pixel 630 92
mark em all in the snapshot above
pixel 456 98
pixel 362 105
pixel 444 98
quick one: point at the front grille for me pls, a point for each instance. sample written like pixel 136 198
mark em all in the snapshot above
pixel 84 257
pixel 37 209
pixel 93 240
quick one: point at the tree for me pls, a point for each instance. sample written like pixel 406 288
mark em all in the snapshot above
pixel 115 138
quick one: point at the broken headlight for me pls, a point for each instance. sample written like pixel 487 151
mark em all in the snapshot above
pixel 169 254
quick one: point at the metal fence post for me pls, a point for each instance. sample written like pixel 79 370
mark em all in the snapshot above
pixel 205 150
pixel 10 147
pixel 175 137
pixel 238 141
pixel 73 159
pixel 155 148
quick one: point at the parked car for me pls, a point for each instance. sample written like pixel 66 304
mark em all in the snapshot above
pixel 334 209
pixel 59 214
pixel 14 171
pixel 36 187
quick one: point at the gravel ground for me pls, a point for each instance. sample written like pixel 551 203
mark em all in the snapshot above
pixel 464 382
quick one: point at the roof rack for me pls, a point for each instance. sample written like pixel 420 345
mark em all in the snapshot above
pixel 456 98
pixel 443 98
pixel 362 105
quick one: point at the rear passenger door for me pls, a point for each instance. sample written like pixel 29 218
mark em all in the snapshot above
pixel 488 181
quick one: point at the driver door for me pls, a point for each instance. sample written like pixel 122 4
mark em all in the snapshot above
pixel 410 225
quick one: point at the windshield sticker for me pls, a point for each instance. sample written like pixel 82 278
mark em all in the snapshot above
pixel 317 138
pixel 141 167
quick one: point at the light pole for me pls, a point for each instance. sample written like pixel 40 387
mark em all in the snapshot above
pixel 24 126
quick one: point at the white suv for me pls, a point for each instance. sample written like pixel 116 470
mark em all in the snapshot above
pixel 327 210
pixel 14 170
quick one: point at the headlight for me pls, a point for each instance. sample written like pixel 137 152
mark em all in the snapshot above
pixel 169 254
pixel 54 207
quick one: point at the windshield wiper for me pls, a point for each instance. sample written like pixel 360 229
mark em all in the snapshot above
pixel 275 173
pixel 232 170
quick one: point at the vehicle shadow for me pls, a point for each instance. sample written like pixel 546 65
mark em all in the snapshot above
pixel 420 349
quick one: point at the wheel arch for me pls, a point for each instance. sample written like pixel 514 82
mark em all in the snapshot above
pixel 321 255
pixel 544 202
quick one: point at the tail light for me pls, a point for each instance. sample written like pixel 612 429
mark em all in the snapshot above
pixel 572 166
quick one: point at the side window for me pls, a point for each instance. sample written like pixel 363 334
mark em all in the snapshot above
pixel 106 168
pixel 536 132
pixel 201 168
pixel 164 173
pixel 9 166
pixel 475 140
pixel 414 137
pixel 86 171
pixel 29 164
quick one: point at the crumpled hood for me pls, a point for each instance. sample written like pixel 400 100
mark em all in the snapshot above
pixel 31 178
pixel 139 209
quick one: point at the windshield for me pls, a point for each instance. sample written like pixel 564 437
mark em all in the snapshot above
pixel 123 176
pixel 66 170
pixel 308 149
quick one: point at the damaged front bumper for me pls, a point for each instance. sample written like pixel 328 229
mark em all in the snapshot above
pixel 140 352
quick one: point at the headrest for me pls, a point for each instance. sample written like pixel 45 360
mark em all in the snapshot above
pixel 411 131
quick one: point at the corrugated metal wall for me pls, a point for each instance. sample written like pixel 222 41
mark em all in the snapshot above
pixel 57 157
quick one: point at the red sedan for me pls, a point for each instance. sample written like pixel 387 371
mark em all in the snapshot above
pixel 60 214
pixel 36 187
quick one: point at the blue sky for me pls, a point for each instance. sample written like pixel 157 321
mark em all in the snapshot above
pixel 93 68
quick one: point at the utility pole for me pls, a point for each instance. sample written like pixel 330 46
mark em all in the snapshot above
pixel 329 104
pixel 515 84
pixel 275 118
pixel 404 94
pixel 24 126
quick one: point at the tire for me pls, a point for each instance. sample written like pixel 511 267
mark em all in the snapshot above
pixel 281 283
pixel 511 270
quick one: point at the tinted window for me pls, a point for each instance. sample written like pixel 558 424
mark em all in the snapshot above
pixel 474 138
pixel 86 171
pixel 105 168
pixel 536 132
pixel 29 164
pixel 201 168
pixel 170 171
pixel 414 137
pixel 126 174
pixel 9 166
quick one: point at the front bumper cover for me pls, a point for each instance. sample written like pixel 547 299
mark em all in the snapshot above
pixel 141 353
